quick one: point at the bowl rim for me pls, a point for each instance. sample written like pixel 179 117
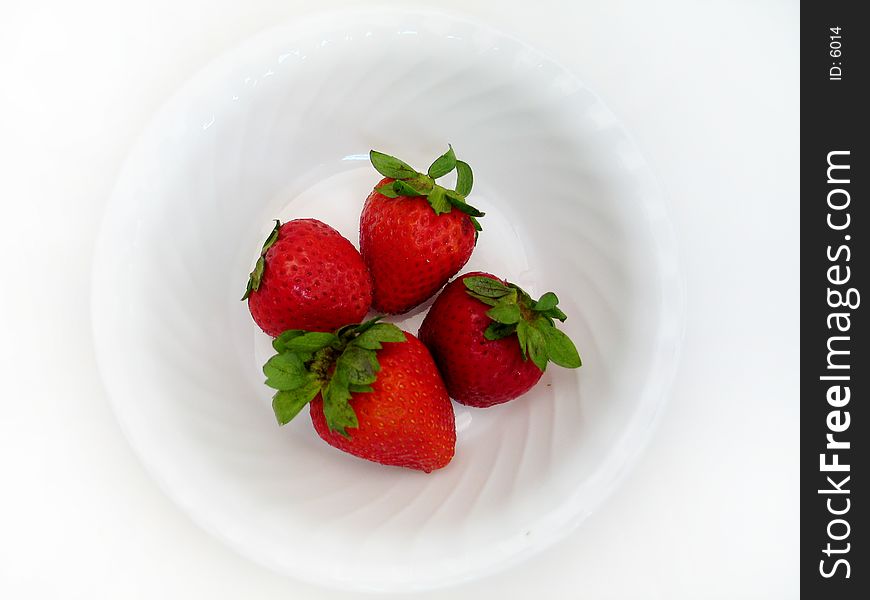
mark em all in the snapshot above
pixel 562 522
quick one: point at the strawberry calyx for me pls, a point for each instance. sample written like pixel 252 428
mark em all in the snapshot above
pixel 334 365
pixel 533 321
pixel 257 274
pixel 409 182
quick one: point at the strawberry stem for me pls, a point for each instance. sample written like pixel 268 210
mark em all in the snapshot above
pixel 409 182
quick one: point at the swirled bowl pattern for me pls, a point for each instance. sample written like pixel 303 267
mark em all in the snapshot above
pixel 280 128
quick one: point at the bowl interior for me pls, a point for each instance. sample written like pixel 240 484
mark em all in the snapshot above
pixel 281 128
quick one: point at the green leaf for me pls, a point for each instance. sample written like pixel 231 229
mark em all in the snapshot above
pixel 507 313
pixel 477 227
pixel 464 178
pixel 560 348
pixel 348 331
pixel 288 403
pixel 459 202
pixel 403 188
pixel 273 237
pixel 356 366
pixel 421 185
pixel 368 342
pixel 355 329
pixel 359 389
pixel 338 412
pixel 373 358
pixel 536 345
pixel 466 208
pixel 390 166
pixel 438 200
pixel 497 331
pixel 507 299
pixel 443 164
pixel 387 190
pixel 280 342
pixel 547 302
pixel 285 372
pixel 484 299
pixel 486 286
pixel 310 342
pixel 256 275
pixel 523 296
pixel 381 332
pixel 556 313
pixel 523 337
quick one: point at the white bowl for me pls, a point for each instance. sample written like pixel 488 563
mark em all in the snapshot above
pixel 280 128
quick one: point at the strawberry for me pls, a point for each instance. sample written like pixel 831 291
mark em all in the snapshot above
pixel 491 341
pixel 411 238
pixel 374 392
pixel 307 277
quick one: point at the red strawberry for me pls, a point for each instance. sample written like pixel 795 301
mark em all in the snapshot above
pixel 374 392
pixel 308 277
pixel 491 341
pixel 411 238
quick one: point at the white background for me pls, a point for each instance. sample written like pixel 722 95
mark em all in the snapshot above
pixel 710 92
